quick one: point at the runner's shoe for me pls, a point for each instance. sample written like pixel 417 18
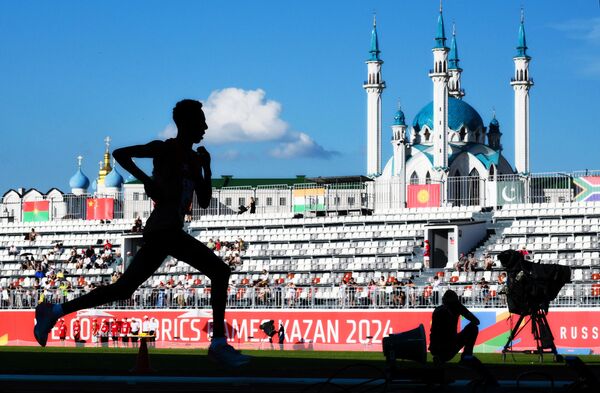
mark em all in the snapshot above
pixel 227 356
pixel 45 318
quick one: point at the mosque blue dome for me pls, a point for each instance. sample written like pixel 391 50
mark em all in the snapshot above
pixel 399 118
pixel 459 114
pixel 79 180
pixel 113 179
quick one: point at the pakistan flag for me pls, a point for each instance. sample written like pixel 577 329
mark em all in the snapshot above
pixel 509 192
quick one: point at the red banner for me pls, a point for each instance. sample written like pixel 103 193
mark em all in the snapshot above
pixel 423 195
pixel 325 329
pixel 100 209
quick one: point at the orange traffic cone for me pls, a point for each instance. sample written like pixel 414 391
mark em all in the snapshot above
pixel 142 363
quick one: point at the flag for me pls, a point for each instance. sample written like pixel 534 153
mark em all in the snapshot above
pixel 508 192
pixel 36 211
pixel 99 209
pixel 307 199
pixel 423 195
pixel 587 188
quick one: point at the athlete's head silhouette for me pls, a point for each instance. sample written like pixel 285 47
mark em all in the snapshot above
pixel 190 121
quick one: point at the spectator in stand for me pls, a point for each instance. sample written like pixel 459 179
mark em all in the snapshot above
pixel 484 291
pixel 252 205
pixel 290 293
pixel 117 262
pixel 128 259
pixel 381 295
pixel 471 263
pixel 435 290
pixel 108 245
pixel 211 244
pixel 462 261
pixel 412 292
pixel 351 287
pixel 371 293
pixel 31 236
pixel 523 251
pixel 426 254
pixel 137 226
pixel 398 294
pixel 12 251
pixel 218 245
pixel 488 262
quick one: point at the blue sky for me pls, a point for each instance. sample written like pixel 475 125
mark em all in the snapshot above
pixel 283 80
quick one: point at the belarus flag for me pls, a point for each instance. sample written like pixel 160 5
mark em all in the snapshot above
pixel 423 195
pixel 36 211
pixel 99 209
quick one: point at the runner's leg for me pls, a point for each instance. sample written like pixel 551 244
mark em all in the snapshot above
pixel 188 249
pixel 147 260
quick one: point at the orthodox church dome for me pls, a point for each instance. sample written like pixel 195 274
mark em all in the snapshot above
pixel 79 180
pixel 113 179
pixel 459 114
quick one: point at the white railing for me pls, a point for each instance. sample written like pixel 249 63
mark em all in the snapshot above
pixel 315 297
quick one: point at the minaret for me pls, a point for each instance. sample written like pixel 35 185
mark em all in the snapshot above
pixel 494 134
pixel 454 70
pixel 399 146
pixel 521 84
pixel 105 167
pixel 374 87
pixel 439 76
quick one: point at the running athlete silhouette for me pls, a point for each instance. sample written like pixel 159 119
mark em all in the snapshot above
pixel 178 171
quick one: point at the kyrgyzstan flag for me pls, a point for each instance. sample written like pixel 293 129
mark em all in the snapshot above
pixel 423 195
pixel 36 211
pixel 99 209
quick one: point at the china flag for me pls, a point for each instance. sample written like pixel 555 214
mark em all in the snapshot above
pixel 99 209
pixel 423 195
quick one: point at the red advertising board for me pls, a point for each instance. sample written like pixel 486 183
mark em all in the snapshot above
pixel 319 329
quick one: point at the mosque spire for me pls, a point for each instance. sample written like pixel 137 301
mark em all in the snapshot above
pixel 374 86
pixel 522 83
pixel 454 70
pixel 374 42
pixel 440 36
pixel 453 60
pixel 522 45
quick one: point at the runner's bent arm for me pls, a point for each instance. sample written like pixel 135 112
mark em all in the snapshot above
pixel 124 157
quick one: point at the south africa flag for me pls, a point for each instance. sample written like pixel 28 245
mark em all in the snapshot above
pixel 587 188
pixel 36 211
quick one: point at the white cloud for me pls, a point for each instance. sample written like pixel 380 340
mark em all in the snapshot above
pixel 301 145
pixel 236 115
pixel 583 29
pixel 170 131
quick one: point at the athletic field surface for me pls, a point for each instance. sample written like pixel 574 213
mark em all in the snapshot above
pixel 69 369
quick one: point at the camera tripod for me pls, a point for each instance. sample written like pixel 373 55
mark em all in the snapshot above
pixel 541 333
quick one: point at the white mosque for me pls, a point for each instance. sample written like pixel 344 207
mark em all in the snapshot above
pixel 448 138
